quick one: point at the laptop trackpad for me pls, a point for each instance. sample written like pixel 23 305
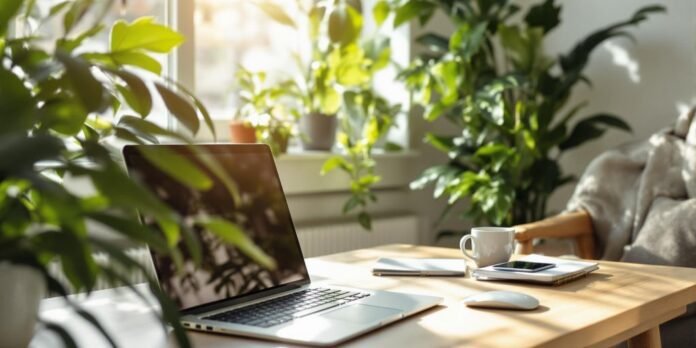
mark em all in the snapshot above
pixel 359 313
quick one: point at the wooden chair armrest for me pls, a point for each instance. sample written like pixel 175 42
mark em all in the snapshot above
pixel 576 225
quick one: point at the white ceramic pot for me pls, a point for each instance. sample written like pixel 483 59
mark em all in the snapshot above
pixel 21 291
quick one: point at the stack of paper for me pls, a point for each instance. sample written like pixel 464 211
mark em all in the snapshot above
pixel 419 267
pixel 564 271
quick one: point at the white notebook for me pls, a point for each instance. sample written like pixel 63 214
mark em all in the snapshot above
pixel 419 267
pixel 564 271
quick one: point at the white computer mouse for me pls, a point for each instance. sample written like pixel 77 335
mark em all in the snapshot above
pixel 502 299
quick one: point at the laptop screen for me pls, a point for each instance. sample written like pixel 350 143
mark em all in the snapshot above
pixel 262 212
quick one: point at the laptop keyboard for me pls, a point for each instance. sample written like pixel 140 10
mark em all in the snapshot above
pixel 286 308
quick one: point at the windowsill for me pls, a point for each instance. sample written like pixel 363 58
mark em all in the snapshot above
pixel 300 172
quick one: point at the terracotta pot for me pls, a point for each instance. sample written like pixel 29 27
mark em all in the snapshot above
pixel 319 131
pixel 20 294
pixel 242 132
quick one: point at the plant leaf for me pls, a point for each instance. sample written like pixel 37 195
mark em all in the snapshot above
pixel 89 91
pixel 442 143
pixel 180 108
pixel 545 15
pixel 64 335
pixel 429 175
pixel 19 152
pixel 132 229
pixel 68 45
pixel 234 235
pixel 138 89
pixel 365 221
pixel 66 116
pixel 137 59
pixel 143 34
pixel 575 61
pixel 352 203
pixel 591 128
pixel 178 167
pixel 17 106
pixel 276 12
pixel 198 104
pixel 139 126
pixel 434 42
pixel 8 9
pixel 75 258
pixel 412 9
pixel 380 11
pixel 333 163
pixel 87 316
pixel 345 25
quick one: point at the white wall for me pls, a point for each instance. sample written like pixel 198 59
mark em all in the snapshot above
pixel 664 78
pixel 649 94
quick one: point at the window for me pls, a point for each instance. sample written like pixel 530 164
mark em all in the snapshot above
pixel 222 35
pixel 101 13
pixel 106 13
pixel 231 33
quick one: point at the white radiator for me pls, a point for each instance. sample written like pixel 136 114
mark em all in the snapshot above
pixel 333 238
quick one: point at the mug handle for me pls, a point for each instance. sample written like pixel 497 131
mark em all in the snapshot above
pixel 462 246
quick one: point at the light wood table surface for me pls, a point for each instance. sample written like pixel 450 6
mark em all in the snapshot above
pixel 619 301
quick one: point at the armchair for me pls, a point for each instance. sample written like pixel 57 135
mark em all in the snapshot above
pixel 635 203
pixel 574 225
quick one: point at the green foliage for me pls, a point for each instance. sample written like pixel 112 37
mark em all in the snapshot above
pixel 338 81
pixel 59 111
pixel 368 117
pixel 268 107
pixel 491 80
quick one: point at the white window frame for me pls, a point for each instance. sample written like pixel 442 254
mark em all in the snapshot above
pixel 395 168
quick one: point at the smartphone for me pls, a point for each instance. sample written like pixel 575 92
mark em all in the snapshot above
pixel 523 266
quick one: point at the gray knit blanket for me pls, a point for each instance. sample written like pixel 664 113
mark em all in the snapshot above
pixel 642 198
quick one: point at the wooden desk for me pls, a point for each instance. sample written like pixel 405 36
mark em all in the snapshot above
pixel 615 303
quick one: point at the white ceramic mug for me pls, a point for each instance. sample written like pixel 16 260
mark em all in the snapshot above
pixel 490 245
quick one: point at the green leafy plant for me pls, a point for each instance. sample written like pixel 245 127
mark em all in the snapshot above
pixel 367 119
pixel 268 107
pixel 61 107
pixel 507 100
pixel 338 81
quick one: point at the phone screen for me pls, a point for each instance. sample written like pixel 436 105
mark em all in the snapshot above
pixel 523 266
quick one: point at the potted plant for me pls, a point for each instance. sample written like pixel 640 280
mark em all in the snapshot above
pixel 241 130
pixel 61 106
pixel 366 119
pixel 335 93
pixel 334 62
pixel 267 109
pixel 507 103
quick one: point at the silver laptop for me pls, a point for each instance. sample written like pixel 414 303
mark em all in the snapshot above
pixel 232 294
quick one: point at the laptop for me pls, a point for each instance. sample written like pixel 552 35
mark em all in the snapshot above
pixel 232 294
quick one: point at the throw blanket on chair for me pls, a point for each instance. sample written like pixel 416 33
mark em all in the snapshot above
pixel 642 198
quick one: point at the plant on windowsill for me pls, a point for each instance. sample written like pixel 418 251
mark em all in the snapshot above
pixel 367 118
pixel 507 103
pixel 338 83
pixel 267 109
pixel 61 106
pixel 314 90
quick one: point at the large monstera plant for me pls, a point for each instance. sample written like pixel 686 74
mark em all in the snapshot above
pixel 61 106
pixel 506 100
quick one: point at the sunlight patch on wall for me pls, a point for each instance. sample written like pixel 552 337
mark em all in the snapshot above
pixel 684 107
pixel 622 58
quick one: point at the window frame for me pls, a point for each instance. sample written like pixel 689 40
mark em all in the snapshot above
pixel 181 17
